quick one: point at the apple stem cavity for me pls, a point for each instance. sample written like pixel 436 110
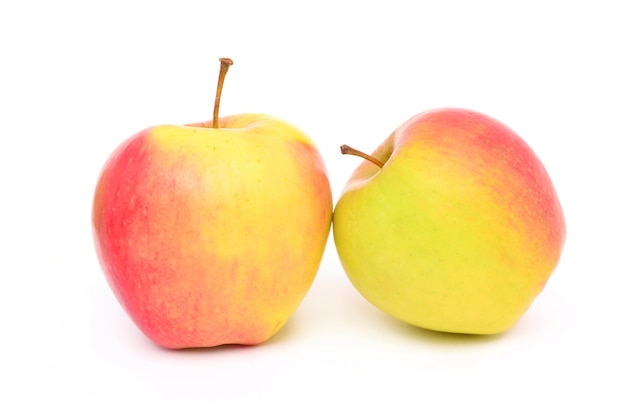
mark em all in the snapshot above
pixel 346 149
pixel 225 63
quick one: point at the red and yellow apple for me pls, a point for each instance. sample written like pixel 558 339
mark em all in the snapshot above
pixel 458 227
pixel 212 233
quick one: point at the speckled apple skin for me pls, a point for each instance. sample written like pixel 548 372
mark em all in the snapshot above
pixel 458 232
pixel 212 236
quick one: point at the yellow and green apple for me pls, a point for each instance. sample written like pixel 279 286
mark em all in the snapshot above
pixel 452 224
pixel 212 233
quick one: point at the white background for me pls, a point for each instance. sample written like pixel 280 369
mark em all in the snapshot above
pixel 76 78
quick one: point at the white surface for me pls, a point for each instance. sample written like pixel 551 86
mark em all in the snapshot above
pixel 76 79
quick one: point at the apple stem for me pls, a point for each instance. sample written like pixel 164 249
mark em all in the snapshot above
pixel 225 63
pixel 346 149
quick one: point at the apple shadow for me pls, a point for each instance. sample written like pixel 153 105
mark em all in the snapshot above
pixel 219 349
pixel 438 337
pixel 377 319
pixel 335 302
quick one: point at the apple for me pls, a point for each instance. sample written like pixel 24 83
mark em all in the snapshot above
pixel 212 233
pixel 452 224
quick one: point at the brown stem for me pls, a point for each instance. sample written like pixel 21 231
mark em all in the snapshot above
pixel 224 65
pixel 346 149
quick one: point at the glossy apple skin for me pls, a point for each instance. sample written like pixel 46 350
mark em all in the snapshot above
pixel 458 232
pixel 212 236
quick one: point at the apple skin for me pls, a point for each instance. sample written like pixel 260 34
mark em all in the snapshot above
pixel 459 231
pixel 212 236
